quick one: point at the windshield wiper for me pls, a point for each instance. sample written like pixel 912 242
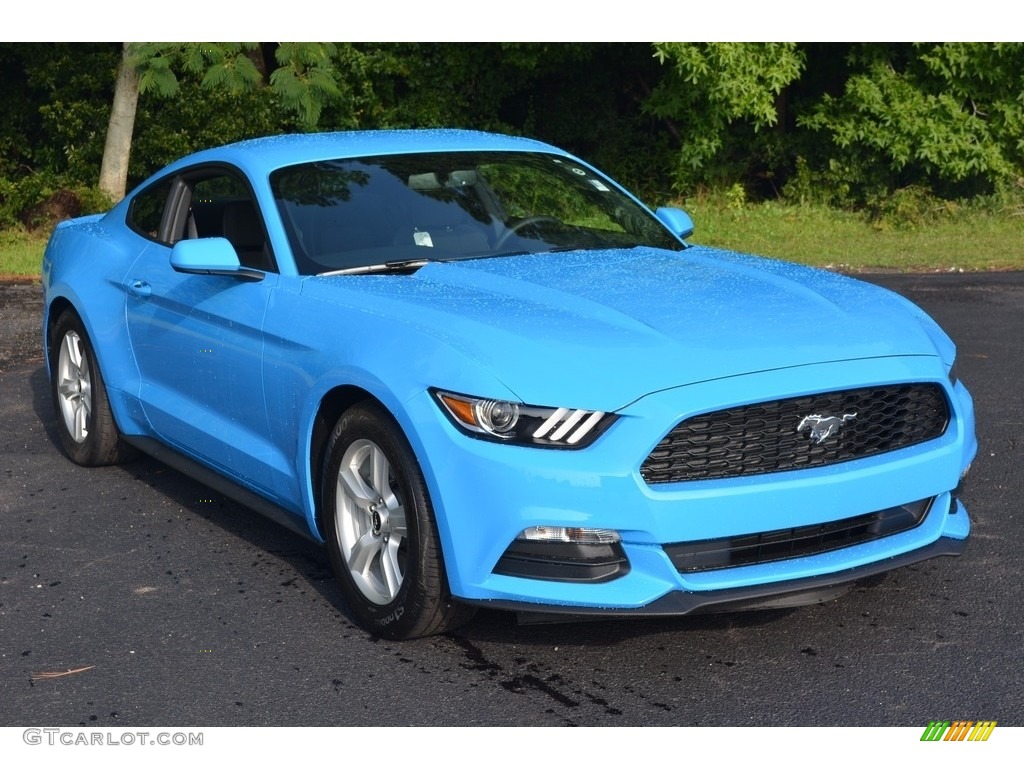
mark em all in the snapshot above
pixel 405 265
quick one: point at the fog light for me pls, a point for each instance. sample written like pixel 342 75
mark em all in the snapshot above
pixel 557 553
pixel 572 535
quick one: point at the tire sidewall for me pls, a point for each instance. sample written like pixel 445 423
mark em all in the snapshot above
pixel 84 452
pixel 103 444
pixel 400 617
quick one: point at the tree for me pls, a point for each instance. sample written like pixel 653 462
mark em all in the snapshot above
pixel 303 82
pixel 711 87
pixel 117 147
pixel 944 118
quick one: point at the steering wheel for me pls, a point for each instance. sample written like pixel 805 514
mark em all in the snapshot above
pixel 514 229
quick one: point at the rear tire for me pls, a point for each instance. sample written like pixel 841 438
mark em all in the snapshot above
pixel 381 534
pixel 86 426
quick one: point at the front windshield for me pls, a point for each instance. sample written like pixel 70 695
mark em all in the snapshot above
pixel 344 214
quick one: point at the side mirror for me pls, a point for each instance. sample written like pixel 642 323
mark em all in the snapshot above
pixel 678 222
pixel 210 256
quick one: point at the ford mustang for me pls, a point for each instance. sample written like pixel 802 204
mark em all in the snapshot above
pixel 482 373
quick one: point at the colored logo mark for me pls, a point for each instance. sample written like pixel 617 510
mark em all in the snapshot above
pixel 958 730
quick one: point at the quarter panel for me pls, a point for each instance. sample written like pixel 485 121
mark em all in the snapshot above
pixel 85 264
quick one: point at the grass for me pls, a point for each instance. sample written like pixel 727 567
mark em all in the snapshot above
pixel 20 255
pixel 967 240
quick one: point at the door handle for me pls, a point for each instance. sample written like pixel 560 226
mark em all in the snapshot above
pixel 140 288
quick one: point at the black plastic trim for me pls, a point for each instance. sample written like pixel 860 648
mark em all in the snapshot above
pixel 801 541
pixel 796 592
pixel 564 561
pixel 221 484
pixel 762 438
pixel 242 273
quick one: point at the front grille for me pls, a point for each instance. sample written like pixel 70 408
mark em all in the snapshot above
pixel 762 438
pixel 771 546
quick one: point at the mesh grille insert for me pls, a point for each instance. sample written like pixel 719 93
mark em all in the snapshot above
pixel 762 438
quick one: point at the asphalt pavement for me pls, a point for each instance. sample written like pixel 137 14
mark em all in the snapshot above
pixel 163 603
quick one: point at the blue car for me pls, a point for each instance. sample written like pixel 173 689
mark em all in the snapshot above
pixel 482 373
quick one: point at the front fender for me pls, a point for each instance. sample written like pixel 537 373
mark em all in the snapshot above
pixel 391 362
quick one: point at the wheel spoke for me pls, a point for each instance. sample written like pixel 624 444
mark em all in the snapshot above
pixel 391 568
pixel 68 388
pixel 396 518
pixel 81 421
pixel 352 486
pixel 74 352
pixel 363 553
pixel 380 470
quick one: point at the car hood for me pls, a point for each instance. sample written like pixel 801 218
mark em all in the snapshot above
pixel 599 329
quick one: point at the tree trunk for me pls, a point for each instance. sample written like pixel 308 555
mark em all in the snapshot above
pixel 118 147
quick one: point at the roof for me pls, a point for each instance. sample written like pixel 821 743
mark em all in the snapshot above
pixel 261 156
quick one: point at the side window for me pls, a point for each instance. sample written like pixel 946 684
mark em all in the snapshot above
pixel 221 206
pixel 147 210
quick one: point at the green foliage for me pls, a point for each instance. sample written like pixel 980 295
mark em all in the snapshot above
pixel 12 203
pixel 93 199
pixel 305 79
pixel 303 82
pixel 908 208
pixel 223 66
pixel 947 118
pixel 426 85
pixel 227 67
pixel 896 130
pixel 154 63
pixel 36 201
pixel 196 119
pixel 20 195
pixel 582 96
pixel 713 89
pixel 58 99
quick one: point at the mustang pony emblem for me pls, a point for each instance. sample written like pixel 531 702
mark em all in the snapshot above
pixel 823 427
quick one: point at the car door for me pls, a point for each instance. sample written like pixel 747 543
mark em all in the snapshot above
pixel 198 338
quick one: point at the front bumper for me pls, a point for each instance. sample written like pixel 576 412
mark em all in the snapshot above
pixel 485 494
pixel 784 594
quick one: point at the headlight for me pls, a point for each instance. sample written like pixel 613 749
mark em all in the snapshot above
pixel 506 421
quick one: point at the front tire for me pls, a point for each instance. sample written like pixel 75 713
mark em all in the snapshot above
pixel 381 533
pixel 86 426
